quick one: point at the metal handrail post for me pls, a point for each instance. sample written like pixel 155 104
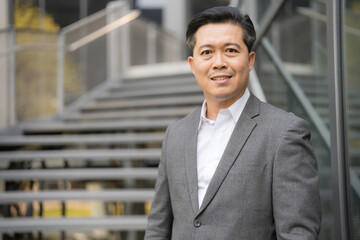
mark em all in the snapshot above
pixel 341 173
pixel 60 73
pixel 151 43
pixel 12 118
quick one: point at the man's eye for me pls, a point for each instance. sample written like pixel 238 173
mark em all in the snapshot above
pixel 206 52
pixel 231 50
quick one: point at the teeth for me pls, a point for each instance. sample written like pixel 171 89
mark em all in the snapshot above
pixel 220 78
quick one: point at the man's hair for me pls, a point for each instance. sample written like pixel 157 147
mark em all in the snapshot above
pixel 221 15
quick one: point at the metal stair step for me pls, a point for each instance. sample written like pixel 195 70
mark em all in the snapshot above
pixel 148 83
pixel 150 92
pixel 352 123
pixel 149 102
pixel 156 77
pixel 124 195
pixel 138 113
pixel 79 174
pixel 60 140
pixel 350 114
pixel 28 224
pixel 324 101
pixel 55 127
pixel 324 112
pixel 89 154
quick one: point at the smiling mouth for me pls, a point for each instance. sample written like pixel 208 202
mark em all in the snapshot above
pixel 220 78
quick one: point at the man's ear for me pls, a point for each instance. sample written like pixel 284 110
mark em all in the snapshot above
pixel 191 63
pixel 251 60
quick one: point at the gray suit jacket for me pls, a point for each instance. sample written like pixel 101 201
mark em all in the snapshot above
pixel 266 185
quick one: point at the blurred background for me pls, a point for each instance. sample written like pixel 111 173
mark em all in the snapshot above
pixel 88 87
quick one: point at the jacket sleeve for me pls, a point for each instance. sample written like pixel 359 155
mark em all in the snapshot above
pixel 296 197
pixel 161 216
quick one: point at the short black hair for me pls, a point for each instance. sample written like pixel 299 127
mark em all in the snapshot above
pixel 223 14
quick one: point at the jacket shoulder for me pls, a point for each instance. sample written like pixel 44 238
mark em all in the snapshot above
pixel 277 115
pixel 186 122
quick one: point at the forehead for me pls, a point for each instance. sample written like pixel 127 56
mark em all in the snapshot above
pixel 219 32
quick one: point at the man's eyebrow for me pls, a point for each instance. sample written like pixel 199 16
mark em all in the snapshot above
pixel 205 45
pixel 229 44
pixel 225 45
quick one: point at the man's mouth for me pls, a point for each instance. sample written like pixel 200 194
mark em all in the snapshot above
pixel 219 78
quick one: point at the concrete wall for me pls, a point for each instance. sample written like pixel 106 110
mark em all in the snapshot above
pixel 4 37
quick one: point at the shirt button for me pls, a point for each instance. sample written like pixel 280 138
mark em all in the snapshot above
pixel 197 223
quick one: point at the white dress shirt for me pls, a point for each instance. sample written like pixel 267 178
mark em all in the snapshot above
pixel 212 139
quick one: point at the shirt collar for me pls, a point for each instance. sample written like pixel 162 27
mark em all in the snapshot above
pixel 235 109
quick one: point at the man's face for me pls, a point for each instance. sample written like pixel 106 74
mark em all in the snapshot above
pixel 221 62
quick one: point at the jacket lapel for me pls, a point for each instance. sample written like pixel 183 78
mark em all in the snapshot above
pixel 190 158
pixel 243 129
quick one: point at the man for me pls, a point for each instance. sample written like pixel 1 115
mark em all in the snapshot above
pixel 236 168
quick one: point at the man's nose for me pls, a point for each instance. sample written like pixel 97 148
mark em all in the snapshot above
pixel 219 61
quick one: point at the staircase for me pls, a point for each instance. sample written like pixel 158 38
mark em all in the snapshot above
pixel 316 90
pixel 97 165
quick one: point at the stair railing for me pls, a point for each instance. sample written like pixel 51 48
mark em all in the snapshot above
pixel 104 46
pixel 84 49
pixel 319 124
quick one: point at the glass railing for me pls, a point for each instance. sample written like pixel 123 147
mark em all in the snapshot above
pixel 292 67
pixel 46 72
pixel 28 60
pixel 104 46
pixel 150 44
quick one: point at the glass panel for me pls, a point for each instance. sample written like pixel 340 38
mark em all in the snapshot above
pixel 150 44
pixel 85 63
pixel 35 74
pixel 352 99
pixel 298 36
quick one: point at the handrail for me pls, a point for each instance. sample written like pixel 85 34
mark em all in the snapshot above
pixel 269 17
pixel 298 92
pixel 62 46
pixel 324 132
pixel 82 22
pixel 104 30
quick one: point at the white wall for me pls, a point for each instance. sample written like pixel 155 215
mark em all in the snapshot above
pixel 3 65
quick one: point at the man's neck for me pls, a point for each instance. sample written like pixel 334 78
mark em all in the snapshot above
pixel 213 107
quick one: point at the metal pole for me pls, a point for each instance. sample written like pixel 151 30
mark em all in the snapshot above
pixel 339 166
pixel 60 73
pixel 12 93
pixel 151 43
